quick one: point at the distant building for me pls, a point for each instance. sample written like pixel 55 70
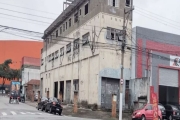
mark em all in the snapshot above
pixel 82 53
pixel 30 70
pixel 15 50
pixel 157 57
pixel 33 86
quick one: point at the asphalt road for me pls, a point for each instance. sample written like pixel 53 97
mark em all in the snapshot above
pixel 23 111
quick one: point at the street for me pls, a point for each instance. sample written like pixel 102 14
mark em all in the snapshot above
pixel 23 111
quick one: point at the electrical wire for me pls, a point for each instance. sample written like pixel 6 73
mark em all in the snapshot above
pixel 26 13
pixel 28 8
pixel 24 18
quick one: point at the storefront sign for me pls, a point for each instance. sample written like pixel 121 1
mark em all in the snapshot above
pixel 175 61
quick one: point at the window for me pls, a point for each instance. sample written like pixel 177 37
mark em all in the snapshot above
pixel 128 3
pixel 60 30
pixel 127 84
pixel 76 44
pixel 56 54
pixel 68 48
pixel 63 27
pixel 86 9
pixel 76 17
pixel 70 22
pixel 114 34
pixel 66 25
pixel 76 85
pixel 56 33
pixel 52 56
pixel 79 11
pixel 85 39
pixel 62 51
pixel 42 62
pixel 114 3
pixel 149 107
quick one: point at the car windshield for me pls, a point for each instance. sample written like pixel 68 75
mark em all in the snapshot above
pixel 174 107
pixel 161 107
pixel 141 107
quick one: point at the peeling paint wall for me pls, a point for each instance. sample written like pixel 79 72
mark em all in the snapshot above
pixel 139 88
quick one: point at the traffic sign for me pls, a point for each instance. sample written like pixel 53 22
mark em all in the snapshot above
pixel 122 81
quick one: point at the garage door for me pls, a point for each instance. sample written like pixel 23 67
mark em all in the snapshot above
pixel 109 86
pixel 168 77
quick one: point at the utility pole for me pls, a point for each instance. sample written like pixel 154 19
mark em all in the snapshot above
pixel 122 58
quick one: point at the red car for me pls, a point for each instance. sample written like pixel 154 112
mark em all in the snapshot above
pixel 145 113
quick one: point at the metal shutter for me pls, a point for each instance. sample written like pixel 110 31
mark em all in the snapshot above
pixel 168 77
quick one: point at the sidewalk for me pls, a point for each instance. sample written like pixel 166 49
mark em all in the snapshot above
pixel 86 113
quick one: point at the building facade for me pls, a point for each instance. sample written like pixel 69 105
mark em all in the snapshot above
pixel 82 52
pixel 157 57
pixel 30 71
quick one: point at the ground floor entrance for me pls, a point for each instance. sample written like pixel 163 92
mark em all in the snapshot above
pixel 168 86
pixel 168 95
pixel 109 86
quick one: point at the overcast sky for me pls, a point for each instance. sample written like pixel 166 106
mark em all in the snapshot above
pixel 155 14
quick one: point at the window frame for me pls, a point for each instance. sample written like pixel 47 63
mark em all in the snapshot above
pixel 87 35
pixel 56 54
pixel 76 44
pixel 76 17
pixel 62 51
pixel 70 22
pixel 86 12
pixel 129 3
pixel 68 48
pixel 57 33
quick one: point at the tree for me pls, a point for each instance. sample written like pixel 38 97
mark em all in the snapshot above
pixel 5 71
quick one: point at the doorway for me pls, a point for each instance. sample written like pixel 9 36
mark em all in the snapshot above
pixel 55 89
pixel 62 90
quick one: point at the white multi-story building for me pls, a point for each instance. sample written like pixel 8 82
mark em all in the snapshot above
pixel 82 52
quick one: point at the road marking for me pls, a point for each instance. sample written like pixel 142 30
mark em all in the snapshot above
pixel 3 113
pixel 39 113
pixel 13 112
pixel 23 113
pixel 30 113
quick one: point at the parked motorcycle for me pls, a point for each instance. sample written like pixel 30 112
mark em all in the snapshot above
pixel 14 100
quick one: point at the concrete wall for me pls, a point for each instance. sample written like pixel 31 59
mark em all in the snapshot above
pixel 139 88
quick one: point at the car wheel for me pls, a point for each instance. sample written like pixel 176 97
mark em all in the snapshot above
pixel 170 117
pixel 143 117
pixel 42 108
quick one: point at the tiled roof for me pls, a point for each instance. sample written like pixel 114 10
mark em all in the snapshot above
pixel 34 82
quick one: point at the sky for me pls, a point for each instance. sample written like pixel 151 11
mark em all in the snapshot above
pixel 160 15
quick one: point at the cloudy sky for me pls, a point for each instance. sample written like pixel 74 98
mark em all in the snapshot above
pixel 155 14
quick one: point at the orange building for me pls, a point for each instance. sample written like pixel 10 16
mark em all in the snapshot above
pixel 16 50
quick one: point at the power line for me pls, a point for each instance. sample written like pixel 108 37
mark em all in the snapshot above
pixel 156 20
pixel 24 18
pixel 23 21
pixel 26 13
pixel 28 8
pixel 156 14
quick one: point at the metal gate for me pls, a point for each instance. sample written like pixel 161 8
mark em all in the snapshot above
pixel 68 91
pixel 109 86
pixel 168 77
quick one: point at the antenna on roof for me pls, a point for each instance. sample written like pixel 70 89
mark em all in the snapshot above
pixel 67 3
